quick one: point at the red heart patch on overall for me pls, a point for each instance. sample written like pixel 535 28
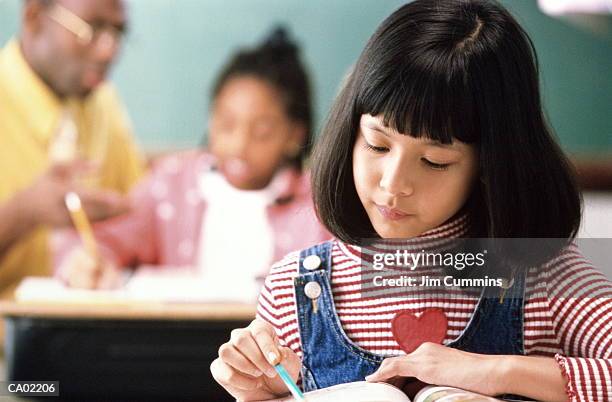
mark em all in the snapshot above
pixel 410 331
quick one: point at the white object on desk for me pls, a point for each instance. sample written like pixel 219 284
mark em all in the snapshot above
pixel 147 285
pixel 362 391
pixel 168 285
pixel 354 392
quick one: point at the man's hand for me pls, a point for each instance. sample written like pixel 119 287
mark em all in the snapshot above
pixel 43 202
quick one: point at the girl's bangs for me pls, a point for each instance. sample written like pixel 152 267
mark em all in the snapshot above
pixel 421 102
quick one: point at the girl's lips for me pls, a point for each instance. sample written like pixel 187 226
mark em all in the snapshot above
pixel 236 168
pixel 390 213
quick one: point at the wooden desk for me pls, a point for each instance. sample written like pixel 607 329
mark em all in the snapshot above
pixel 129 311
pixel 594 171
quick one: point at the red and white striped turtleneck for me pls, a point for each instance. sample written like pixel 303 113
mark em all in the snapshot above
pixel 567 311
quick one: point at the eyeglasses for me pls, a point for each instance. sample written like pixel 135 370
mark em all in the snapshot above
pixel 85 32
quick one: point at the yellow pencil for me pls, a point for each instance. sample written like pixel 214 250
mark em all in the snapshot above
pixel 81 223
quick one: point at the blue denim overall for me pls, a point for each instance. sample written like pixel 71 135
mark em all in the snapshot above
pixel 330 357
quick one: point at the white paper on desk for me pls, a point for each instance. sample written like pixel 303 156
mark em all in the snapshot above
pixel 43 289
pixel 170 285
pixel 360 391
pixel 186 285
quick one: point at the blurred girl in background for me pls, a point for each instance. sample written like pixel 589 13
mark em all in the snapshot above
pixel 233 208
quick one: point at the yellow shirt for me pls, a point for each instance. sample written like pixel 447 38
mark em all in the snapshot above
pixel 29 116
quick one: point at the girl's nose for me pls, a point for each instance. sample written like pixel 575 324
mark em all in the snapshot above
pixel 240 143
pixel 395 178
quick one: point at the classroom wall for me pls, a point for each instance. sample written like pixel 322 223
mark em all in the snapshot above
pixel 176 47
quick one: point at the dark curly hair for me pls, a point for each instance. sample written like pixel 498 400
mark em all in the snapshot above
pixel 276 61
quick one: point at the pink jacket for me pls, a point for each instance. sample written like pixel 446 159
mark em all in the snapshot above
pixel 165 223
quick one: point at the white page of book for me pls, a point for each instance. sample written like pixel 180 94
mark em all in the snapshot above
pixel 354 392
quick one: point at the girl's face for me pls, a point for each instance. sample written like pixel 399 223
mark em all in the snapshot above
pixel 250 134
pixel 407 185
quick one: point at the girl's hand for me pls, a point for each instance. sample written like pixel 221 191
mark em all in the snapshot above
pixel 245 363
pixel 81 270
pixel 441 365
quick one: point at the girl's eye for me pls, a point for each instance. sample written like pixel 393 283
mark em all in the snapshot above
pixel 223 125
pixel 263 130
pixel 375 149
pixel 262 135
pixel 435 166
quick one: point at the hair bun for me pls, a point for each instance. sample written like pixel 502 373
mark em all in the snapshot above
pixel 280 43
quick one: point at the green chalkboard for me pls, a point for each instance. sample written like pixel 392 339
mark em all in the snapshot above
pixel 175 48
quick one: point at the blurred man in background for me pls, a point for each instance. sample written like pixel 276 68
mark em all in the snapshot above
pixel 58 121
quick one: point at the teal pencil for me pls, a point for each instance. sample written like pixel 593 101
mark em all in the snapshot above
pixel 293 388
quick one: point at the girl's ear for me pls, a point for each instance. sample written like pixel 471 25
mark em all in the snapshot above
pixel 296 139
pixel 207 138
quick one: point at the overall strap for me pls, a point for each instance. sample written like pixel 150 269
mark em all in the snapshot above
pixel 496 327
pixel 329 356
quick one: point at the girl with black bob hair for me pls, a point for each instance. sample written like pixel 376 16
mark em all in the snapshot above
pixel 438 134
pixel 471 78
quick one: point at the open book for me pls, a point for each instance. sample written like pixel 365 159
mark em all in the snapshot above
pixel 362 391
